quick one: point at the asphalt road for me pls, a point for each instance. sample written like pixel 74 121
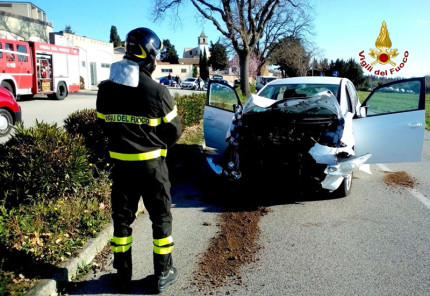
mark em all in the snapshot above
pixel 374 242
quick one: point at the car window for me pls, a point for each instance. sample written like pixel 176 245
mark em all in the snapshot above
pixel 390 99
pixel 222 96
pixel 302 90
pixel 10 57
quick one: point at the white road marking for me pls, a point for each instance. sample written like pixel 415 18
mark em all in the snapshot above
pixel 415 193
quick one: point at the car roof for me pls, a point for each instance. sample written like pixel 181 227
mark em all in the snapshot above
pixel 309 79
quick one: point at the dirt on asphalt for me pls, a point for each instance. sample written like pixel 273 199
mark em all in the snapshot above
pixel 234 246
pixel 400 178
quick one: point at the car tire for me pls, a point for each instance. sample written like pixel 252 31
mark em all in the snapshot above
pixel 345 188
pixel 8 86
pixel 61 92
pixel 6 122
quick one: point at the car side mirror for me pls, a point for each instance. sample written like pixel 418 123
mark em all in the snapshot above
pixel 237 107
pixel 363 111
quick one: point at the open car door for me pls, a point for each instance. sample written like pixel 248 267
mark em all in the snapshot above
pixel 392 122
pixel 221 103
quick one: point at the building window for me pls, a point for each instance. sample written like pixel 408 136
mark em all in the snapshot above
pixel 105 65
pixel 167 70
pixel 183 70
pixel 83 64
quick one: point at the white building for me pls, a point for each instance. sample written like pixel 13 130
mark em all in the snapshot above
pixel 188 64
pixel 23 21
pixel 200 49
pixel 95 56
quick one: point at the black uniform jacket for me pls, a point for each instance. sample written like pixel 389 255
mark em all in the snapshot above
pixel 141 122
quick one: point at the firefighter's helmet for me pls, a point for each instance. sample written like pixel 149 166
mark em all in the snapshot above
pixel 142 46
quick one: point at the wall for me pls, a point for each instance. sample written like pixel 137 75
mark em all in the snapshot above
pixel 183 71
pixel 23 28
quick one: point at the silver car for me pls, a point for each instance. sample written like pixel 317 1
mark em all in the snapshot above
pixel 189 83
pixel 312 131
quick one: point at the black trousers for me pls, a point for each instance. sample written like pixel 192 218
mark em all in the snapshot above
pixel 131 181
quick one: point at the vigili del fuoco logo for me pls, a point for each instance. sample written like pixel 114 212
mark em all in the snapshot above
pixel 383 55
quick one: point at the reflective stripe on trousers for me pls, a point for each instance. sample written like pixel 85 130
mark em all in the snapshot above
pixel 163 246
pixel 121 244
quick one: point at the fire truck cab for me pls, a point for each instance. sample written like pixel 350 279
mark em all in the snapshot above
pixel 29 68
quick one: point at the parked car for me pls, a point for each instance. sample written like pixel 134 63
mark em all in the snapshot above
pixel 165 80
pixel 189 83
pixel 312 131
pixel 216 78
pixel 261 81
pixel 219 78
pixel 10 112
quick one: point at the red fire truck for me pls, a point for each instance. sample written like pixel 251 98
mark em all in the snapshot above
pixel 29 68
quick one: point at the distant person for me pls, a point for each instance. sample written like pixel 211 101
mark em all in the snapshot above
pixel 169 78
pixel 178 81
pixel 199 83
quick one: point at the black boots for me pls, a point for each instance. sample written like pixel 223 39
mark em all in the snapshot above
pixel 122 280
pixel 166 279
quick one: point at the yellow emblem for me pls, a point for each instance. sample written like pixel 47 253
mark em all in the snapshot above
pixel 383 43
pixel 143 55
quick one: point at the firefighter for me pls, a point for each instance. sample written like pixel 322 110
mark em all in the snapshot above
pixel 141 123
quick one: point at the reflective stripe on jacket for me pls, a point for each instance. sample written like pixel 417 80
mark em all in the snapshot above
pixel 141 122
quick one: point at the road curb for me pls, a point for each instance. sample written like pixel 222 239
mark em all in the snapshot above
pixel 67 270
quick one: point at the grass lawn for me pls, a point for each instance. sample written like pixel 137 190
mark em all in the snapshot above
pixel 362 95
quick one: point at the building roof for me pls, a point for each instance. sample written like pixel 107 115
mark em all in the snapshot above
pixel 203 35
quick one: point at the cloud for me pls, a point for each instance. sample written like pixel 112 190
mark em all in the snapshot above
pixel 422 22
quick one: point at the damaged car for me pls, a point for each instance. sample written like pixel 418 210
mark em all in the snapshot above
pixel 312 131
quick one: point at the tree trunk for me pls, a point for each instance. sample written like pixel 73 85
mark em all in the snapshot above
pixel 244 72
pixel 263 69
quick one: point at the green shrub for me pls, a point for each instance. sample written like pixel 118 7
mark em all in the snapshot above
pixel 84 123
pixel 190 108
pixel 42 162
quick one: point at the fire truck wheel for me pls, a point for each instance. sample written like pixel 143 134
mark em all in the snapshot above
pixel 8 86
pixel 61 92
pixel 6 122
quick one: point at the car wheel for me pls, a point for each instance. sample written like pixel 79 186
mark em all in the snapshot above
pixel 6 122
pixel 345 188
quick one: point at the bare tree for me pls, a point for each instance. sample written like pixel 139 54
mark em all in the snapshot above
pixel 241 21
pixel 290 21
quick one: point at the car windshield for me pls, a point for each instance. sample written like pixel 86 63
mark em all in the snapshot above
pixel 190 79
pixel 300 90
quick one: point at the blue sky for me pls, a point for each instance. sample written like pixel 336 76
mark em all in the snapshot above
pixel 343 28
